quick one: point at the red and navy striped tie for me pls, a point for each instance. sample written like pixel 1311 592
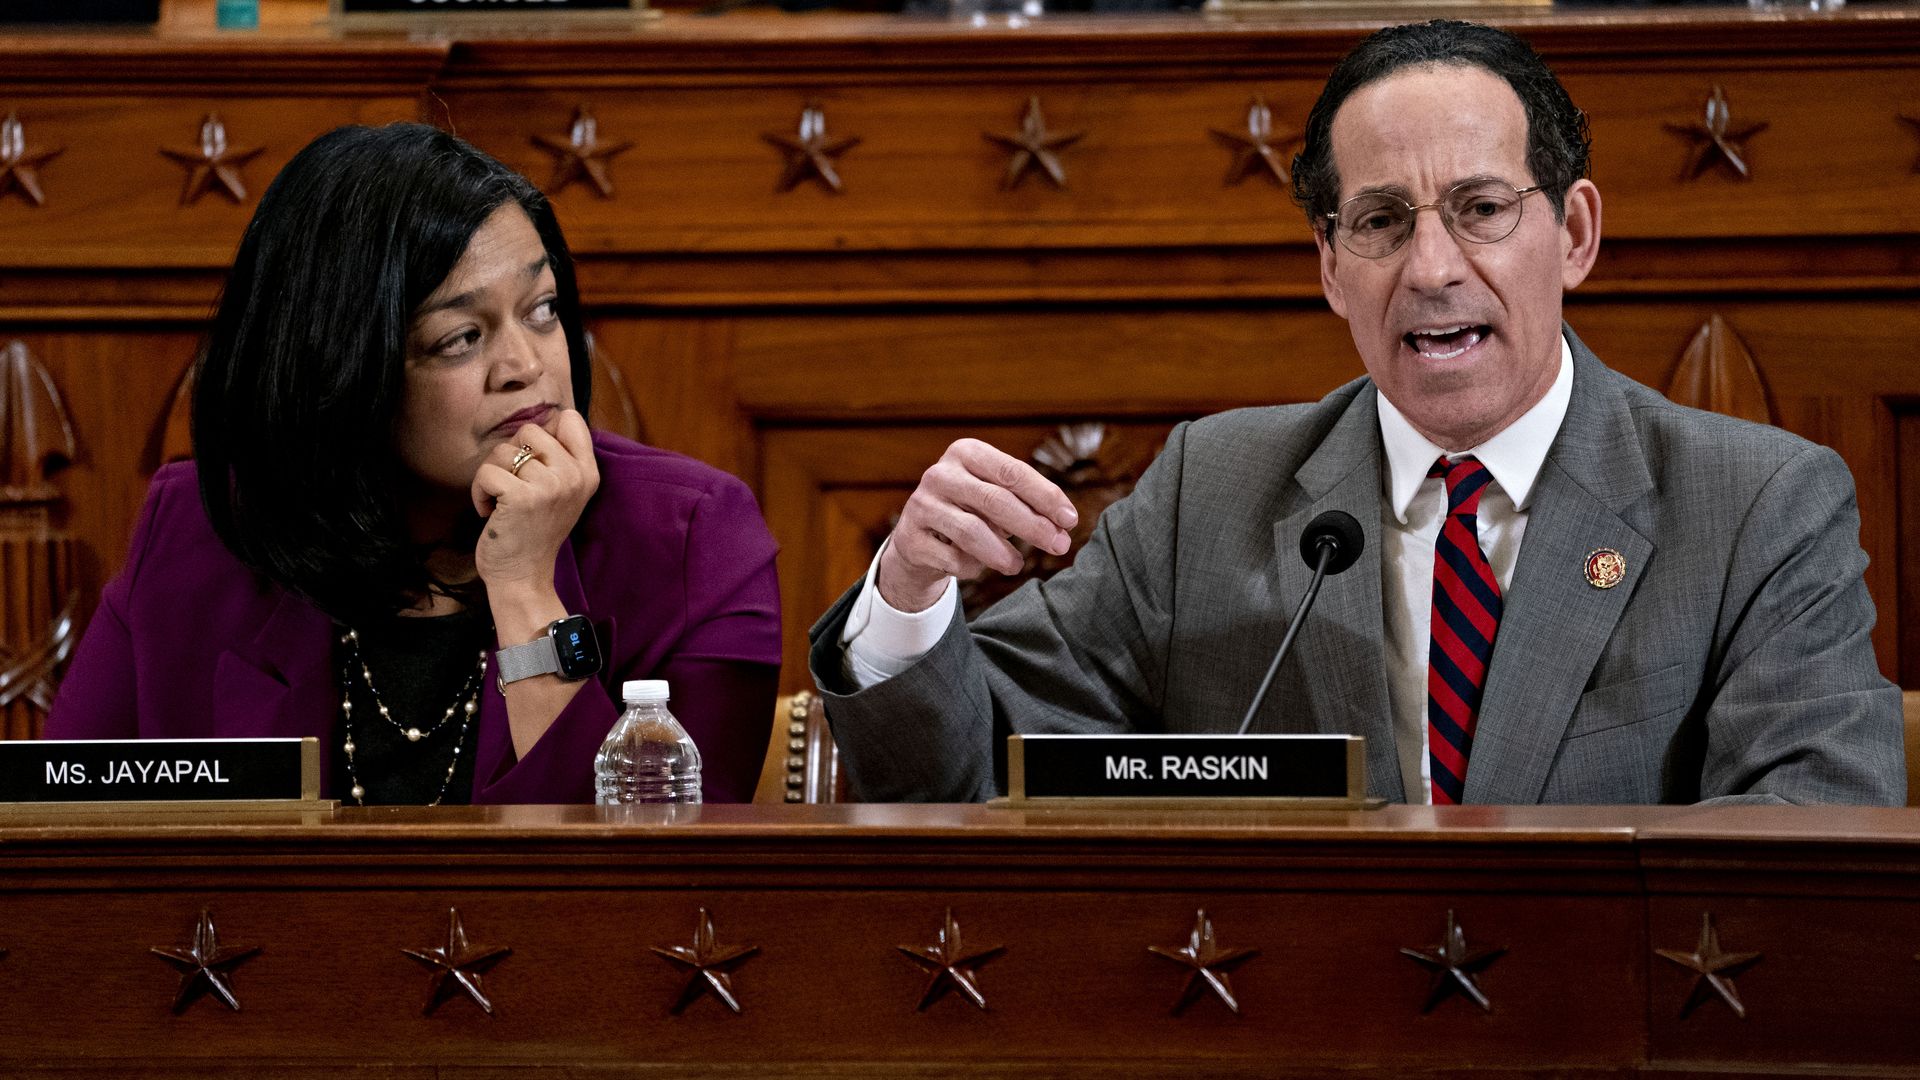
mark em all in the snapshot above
pixel 1466 615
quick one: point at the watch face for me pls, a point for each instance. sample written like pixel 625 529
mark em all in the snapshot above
pixel 578 650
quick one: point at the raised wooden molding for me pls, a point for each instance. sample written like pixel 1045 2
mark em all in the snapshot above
pixel 1300 42
pixel 176 439
pixel 20 163
pixel 951 965
pixel 708 965
pixel 1034 147
pixel 214 162
pixel 1258 150
pixel 1713 969
pixel 1207 965
pixel 580 155
pixel 36 438
pixel 38 598
pixel 205 966
pixel 1715 140
pixel 612 406
pixel 1454 966
pixel 1718 373
pixel 200 63
pixel 458 966
pixel 810 153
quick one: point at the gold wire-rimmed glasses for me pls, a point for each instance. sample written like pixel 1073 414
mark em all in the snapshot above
pixel 1483 210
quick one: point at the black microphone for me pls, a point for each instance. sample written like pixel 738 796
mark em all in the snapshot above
pixel 1330 544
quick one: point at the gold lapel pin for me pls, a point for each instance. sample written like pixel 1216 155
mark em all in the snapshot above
pixel 1605 568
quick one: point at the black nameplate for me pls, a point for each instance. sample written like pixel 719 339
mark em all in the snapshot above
pixel 469 7
pixel 1318 767
pixel 156 770
pixel 80 11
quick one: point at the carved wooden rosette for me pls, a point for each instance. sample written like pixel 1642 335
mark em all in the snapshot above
pixel 37 560
pixel 1095 470
pixel 1718 373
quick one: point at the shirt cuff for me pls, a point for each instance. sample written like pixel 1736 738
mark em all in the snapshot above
pixel 881 641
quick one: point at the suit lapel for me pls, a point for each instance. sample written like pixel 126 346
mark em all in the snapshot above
pixel 1555 623
pixel 1338 654
pixel 280 683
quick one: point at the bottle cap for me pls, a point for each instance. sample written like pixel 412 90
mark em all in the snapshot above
pixel 639 691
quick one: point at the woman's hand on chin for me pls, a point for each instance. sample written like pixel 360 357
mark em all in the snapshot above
pixel 529 514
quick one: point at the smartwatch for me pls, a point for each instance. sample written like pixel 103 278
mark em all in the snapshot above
pixel 569 649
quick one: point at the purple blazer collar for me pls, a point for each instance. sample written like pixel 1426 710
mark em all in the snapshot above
pixel 282 683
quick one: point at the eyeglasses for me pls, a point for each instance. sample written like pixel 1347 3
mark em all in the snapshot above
pixel 1482 211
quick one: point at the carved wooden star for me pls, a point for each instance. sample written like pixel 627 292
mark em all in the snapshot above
pixel 708 965
pixel 457 966
pixel 1209 964
pixel 1714 139
pixel 811 153
pixel 952 964
pixel 19 165
pixel 1454 966
pixel 1713 970
pixel 580 155
pixel 205 966
pixel 213 162
pixel 1257 151
pixel 1914 123
pixel 1034 148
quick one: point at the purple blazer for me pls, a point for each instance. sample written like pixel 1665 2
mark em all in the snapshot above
pixel 670 560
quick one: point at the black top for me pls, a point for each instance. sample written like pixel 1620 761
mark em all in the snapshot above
pixel 419 666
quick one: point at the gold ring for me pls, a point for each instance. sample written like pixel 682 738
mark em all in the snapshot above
pixel 520 458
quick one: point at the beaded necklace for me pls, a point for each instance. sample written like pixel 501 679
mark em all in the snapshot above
pixel 466 703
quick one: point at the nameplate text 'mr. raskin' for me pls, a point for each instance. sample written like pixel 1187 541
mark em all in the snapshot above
pixel 1182 767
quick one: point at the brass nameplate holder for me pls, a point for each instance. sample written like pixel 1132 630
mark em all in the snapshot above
pixel 416 14
pixel 1300 772
pixel 161 775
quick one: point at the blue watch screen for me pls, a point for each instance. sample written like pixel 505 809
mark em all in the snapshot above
pixel 578 649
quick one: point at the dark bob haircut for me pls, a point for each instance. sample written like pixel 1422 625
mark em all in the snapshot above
pixel 1558 146
pixel 301 379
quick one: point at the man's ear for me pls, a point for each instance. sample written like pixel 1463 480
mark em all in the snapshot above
pixel 1329 282
pixel 1580 233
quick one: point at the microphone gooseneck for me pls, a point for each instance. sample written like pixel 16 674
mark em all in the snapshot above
pixel 1330 544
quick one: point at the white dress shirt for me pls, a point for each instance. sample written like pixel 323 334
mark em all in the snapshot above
pixel 1411 512
pixel 882 642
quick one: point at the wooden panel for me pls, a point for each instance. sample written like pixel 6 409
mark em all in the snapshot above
pixel 701 177
pixel 1574 900
pixel 117 386
pixel 114 200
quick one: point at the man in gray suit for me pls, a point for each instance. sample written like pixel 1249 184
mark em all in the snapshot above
pixel 1572 590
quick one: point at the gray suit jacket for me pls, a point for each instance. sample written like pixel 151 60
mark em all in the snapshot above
pixel 1733 661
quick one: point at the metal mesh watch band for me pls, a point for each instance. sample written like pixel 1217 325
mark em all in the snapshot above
pixel 536 657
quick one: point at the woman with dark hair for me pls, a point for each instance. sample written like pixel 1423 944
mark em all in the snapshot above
pixel 398 533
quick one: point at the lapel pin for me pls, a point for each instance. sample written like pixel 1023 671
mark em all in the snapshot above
pixel 1605 568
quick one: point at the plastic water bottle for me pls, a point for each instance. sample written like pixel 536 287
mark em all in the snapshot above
pixel 648 757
